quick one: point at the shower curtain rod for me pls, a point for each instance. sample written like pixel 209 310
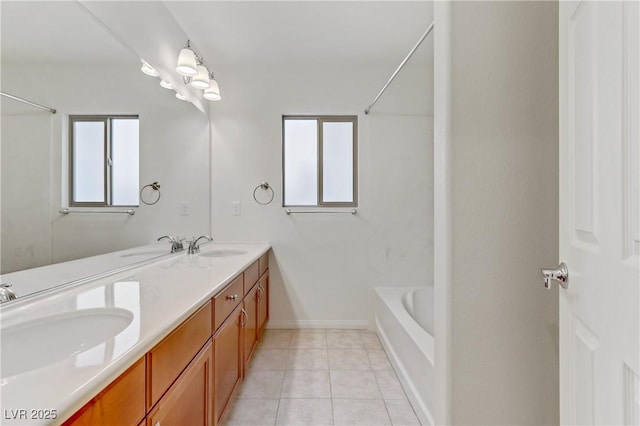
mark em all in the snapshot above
pixel 15 98
pixel 426 33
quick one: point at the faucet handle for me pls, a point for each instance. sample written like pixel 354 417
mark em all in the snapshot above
pixel 194 247
pixel 176 242
pixel 6 293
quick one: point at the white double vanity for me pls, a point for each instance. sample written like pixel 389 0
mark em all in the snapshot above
pixel 151 336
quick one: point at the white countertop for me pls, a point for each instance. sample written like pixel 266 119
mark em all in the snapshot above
pixel 151 299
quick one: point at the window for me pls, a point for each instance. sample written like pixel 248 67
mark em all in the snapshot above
pixel 104 160
pixel 320 161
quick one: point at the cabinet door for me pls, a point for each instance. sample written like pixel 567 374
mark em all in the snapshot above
pixel 121 403
pixel 250 329
pixel 227 361
pixel 188 400
pixel 172 355
pixel 263 302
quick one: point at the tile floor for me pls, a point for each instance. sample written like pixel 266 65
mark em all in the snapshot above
pixel 321 377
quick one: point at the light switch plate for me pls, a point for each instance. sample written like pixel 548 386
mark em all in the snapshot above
pixel 184 209
pixel 235 208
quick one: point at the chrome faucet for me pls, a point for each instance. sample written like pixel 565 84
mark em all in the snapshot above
pixel 6 293
pixel 193 244
pixel 176 243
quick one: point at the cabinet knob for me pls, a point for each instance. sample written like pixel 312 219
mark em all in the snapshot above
pixel 234 297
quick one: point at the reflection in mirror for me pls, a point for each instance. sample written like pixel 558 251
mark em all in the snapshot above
pixel 74 65
pixel 104 157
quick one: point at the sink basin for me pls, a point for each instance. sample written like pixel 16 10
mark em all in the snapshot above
pixel 223 253
pixel 146 253
pixel 54 338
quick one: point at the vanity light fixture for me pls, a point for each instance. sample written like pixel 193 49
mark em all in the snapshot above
pixel 212 93
pixel 148 69
pixel 201 80
pixel 187 65
pixel 193 71
pixel 166 84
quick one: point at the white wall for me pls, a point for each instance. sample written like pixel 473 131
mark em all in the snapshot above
pixel 324 266
pixel 174 150
pixel 504 212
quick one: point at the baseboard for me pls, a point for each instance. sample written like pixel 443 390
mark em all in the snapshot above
pixel 336 324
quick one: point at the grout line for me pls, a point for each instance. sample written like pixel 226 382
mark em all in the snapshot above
pixel 387 410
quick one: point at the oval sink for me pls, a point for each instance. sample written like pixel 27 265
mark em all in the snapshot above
pixel 150 253
pixel 45 341
pixel 223 253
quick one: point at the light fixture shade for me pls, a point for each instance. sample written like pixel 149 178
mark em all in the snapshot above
pixel 213 92
pixel 181 96
pixel 187 63
pixel 166 84
pixel 201 80
pixel 148 69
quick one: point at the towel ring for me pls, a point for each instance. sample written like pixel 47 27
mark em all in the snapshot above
pixel 265 186
pixel 156 187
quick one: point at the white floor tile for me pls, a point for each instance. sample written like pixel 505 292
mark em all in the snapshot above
pixel 401 413
pixel 354 384
pixel 321 377
pixel 360 412
pixel 378 359
pixel 370 340
pixel 306 384
pixel 344 340
pixel 307 412
pixel 269 359
pixel 309 339
pixel 261 384
pixel 348 359
pixel 390 385
pixel 276 339
pixel 308 359
pixel 250 412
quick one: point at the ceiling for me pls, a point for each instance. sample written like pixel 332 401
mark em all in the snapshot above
pixel 55 32
pixel 229 33
pixel 308 32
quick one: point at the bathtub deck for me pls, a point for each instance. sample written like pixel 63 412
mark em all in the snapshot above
pixel 321 377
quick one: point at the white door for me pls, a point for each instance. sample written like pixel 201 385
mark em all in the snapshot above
pixel 600 212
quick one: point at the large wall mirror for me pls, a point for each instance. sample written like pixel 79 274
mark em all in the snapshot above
pixel 56 54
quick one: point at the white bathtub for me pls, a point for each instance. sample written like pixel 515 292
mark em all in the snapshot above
pixel 404 322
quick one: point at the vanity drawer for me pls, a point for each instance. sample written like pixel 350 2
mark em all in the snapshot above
pixel 227 300
pixel 263 263
pixel 121 403
pixel 251 275
pixel 168 358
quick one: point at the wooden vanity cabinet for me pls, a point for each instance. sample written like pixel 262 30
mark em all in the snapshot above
pixel 172 355
pixel 263 302
pixel 251 275
pixel 227 362
pixel 188 400
pixel 227 300
pixel 191 376
pixel 250 328
pixel 263 264
pixel 120 403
